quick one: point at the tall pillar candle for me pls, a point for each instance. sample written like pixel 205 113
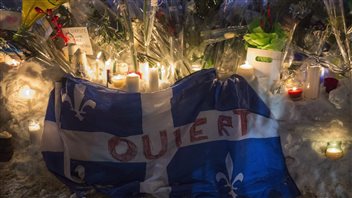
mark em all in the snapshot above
pixel 34 132
pixel 144 69
pixel 154 79
pixel 132 82
pixel 312 83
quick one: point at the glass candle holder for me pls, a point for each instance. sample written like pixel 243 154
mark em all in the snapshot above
pixel 334 150
pixel 294 89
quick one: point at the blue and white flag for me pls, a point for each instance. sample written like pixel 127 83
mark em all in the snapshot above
pixel 200 138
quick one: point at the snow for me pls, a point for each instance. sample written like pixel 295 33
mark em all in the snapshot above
pixel 305 128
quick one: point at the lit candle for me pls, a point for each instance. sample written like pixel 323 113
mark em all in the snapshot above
pixel 312 83
pixel 172 69
pixel 144 69
pixel 154 79
pixel 26 93
pixel 118 81
pixel 295 93
pixel 34 132
pixel 334 150
pixel 132 82
pixel 246 70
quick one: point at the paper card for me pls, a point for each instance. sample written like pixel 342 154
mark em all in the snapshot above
pixel 80 37
pixel 10 20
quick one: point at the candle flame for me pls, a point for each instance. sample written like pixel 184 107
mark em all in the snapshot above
pixel 246 66
pixel 99 54
pixel 26 93
pixel 108 64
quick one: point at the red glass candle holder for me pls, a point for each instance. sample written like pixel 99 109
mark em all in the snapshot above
pixel 330 83
pixel 295 93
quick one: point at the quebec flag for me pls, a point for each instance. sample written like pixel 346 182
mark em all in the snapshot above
pixel 202 137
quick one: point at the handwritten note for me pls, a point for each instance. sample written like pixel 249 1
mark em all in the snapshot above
pixel 80 37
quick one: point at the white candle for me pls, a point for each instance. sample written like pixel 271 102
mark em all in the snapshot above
pixel 154 79
pixel 163 73
pixel 34 132
pixel 312 83
pixel 132 82
pixel 172 73
pixel 72 48
pixel 246 70
pixel 98 67
pixel 144 69
pixel 118 81
pixel 82 62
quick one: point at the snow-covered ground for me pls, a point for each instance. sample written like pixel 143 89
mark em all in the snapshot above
pixel 305 128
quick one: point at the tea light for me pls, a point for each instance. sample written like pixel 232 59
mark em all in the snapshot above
pixel 34 132
pixel 154 79
pixel 246 70
pixel 118 81
pixel 295 93
pixel 132 82
pixel 334 150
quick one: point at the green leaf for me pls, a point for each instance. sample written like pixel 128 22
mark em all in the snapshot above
pixel 253 25
pixel 258 30
pixel 261 41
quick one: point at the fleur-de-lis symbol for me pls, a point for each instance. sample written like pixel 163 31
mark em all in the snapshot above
pixel 78 94
pixel 239 177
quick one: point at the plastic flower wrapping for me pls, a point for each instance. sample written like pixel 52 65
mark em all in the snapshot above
pixel 104 41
